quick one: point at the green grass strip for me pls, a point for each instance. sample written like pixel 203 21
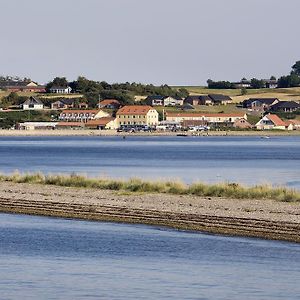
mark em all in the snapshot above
pixel 225 190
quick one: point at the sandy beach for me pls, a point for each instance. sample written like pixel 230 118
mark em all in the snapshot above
pixel 251 218
pixel 70 132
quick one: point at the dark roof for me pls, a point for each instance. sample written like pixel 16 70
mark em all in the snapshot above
pixel 204 98
pixel 67 101
pixel 187 106
pixel 193 97
pixel 5 84
pixel 32 101
pixel 59 87
pixel 219 97
pixel 155 97
pixel 267 101
pixel 285 104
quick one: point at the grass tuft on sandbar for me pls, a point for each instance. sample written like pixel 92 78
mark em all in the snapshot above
pixel 225 190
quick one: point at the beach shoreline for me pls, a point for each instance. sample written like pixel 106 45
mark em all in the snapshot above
pixel 70 132
pixel 267 219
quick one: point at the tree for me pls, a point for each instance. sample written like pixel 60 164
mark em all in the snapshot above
pixel 57 81
pixel 244 91
pixel 296 68
pixel 257 84
pixel 272 78
pixel 292 80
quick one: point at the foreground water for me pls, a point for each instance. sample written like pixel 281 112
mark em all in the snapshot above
pixel 45 258
pixel 248 160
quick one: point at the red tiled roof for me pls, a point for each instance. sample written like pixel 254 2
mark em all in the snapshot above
pixel 70 124
pixel 276 120
pixel 294 122
pixel 171 114
pixel 109 101
pixel 134 110
pixel 101 121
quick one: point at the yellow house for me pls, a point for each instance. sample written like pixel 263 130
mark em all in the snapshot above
pixel 137 115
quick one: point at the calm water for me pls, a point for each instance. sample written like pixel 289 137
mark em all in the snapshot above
pixel 247 160
pixel 44 258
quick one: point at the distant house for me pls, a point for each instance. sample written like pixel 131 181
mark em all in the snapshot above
pixel 109 103
pixel 155 100
pixel 81 115
pixel 285 106
pixel 270 83
pixel 271 121
pixel 192 100
pixel 36 125
pixel 259 104
pixel 242 124
pixel 32 103
pixel 164 101
pixel 218 99
pixel 22 86
pixel 137 115
pixel 293 124
pixel 172 101
pixel 102 123
pixel 63 104
pixel 198 100
pixel 243 84
pixel 60 90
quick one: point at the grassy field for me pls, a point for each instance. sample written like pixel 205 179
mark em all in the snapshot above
pixel 227 190
pixel 283 94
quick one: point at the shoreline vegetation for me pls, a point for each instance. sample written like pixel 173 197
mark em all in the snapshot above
pixel 227 209
pixel 136 185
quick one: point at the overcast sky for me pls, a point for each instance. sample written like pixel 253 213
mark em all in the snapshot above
pixel 179 42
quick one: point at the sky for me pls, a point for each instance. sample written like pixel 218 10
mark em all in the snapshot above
pixel 175 42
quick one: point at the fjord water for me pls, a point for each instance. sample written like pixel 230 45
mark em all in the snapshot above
pixel 248 160
pixel 45 258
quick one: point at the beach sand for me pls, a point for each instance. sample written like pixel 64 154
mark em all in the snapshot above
pixel 70 132
pixel 252 218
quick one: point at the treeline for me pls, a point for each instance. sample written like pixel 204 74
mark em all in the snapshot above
pixel 124 92
pixel 286 81
pixel 254 83
pixel 14 78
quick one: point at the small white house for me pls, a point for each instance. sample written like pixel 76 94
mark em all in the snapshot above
pixel 60 90
pixel 171 101
pixel 33 103
pixel 271 121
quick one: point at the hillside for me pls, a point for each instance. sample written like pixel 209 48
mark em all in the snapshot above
pixel 235 94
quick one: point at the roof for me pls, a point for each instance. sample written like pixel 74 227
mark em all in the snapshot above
pixel 155 97
pixel 235 115
pixel 286 104
pixel 109 101
pixel 134 110
pixel 294 122
pixel 70 124
pixel 79 111
pixel 219 97
pixel 263 100
pixel 66 101
pixel 204 98
pixel 101 121
pixel 15 83
pixel 276 120
pixel 33 101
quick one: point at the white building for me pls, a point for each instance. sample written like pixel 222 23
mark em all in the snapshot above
pixel 33 103
pixel 60 90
